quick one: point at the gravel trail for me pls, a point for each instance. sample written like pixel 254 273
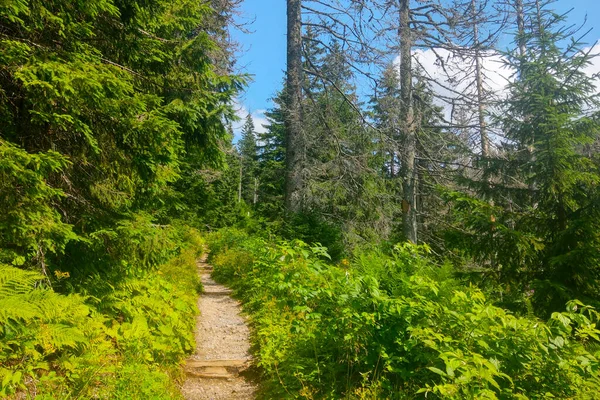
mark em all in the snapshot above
pixel 222 346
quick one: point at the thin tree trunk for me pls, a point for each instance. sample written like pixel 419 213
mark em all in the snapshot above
pixel 240 182
pixel 255 199
pixel 409 151
pixel 485 145
pixel 295 138
pixel 520 26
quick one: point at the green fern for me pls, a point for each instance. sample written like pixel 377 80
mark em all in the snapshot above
pixel 41 330
pixel 15 281
pixel 16 288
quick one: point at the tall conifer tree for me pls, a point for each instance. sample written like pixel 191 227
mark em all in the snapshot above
pixel 543 225
pixel 248 159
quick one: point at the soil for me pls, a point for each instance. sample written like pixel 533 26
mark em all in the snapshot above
pixel 222 354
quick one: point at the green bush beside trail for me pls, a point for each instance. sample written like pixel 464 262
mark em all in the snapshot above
pixel 396 326
pixel 123 339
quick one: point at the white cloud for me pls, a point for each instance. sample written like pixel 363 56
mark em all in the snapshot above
pixel 594 67
pixel 450 75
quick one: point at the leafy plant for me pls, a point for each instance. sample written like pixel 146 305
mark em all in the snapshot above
pixel 55 345
pixel 397 326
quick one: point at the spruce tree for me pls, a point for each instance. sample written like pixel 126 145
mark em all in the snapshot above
pixel 271 161
pixel 248 158
pixel 104 103
pixel 542 227
pixel 549 127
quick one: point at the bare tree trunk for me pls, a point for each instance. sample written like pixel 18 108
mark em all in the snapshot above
pixel 520 26
pixel 485 144
pixel 409 151
pixel 295 151
pixel 240 182
pixel 255 199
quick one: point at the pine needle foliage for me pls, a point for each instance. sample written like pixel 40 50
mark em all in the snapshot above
pixel 248 152
pixel 30 226
pixel 111 97
pixel 534 224
pixel 103 104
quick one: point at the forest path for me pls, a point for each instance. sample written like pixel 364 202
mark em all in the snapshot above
pixel 222 346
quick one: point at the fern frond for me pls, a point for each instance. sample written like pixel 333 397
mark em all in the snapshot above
pixel 59 336
pixel 54 307
pixel 14 281
pixel 17 308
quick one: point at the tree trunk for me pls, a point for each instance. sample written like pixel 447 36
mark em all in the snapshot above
pixel 409 150
pixel 520 26
pixel 295 146
pixel 255 197
pixel 240 181
pixel 485 145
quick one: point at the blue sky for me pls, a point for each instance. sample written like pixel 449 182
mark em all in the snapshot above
pixel 263 53
pixel 264 50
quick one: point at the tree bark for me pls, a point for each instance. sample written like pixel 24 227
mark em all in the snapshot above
pixel 255 197
pixel 485 144
pixel 295 146
pixel 240 181
pixel 520 26
pixel 409 150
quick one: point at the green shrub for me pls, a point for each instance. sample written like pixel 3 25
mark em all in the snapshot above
pixel 139 381
pixel 397 327
pixel 49 342
pixel 224 239
pixel 312 228
pixel 124 339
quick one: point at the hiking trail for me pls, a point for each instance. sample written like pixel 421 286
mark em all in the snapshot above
pixel 222 346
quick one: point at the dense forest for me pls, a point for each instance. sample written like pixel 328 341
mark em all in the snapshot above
pixel 392 233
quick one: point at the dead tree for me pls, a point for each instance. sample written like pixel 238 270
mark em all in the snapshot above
pixel 295 144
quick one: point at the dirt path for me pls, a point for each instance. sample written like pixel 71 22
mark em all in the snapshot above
pixel 222 346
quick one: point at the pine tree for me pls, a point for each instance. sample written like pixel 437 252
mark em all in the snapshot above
pixel 439 153
pixel 295 143
pixel 386 111
pixel 343 186
pixel 248 159
pixel 542 227
pixel 271 153
pixel 550 128
pixel 439 150
pixel 125 91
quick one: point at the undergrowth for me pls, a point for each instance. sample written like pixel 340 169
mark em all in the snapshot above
pixel 116 331
pixel 397 327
